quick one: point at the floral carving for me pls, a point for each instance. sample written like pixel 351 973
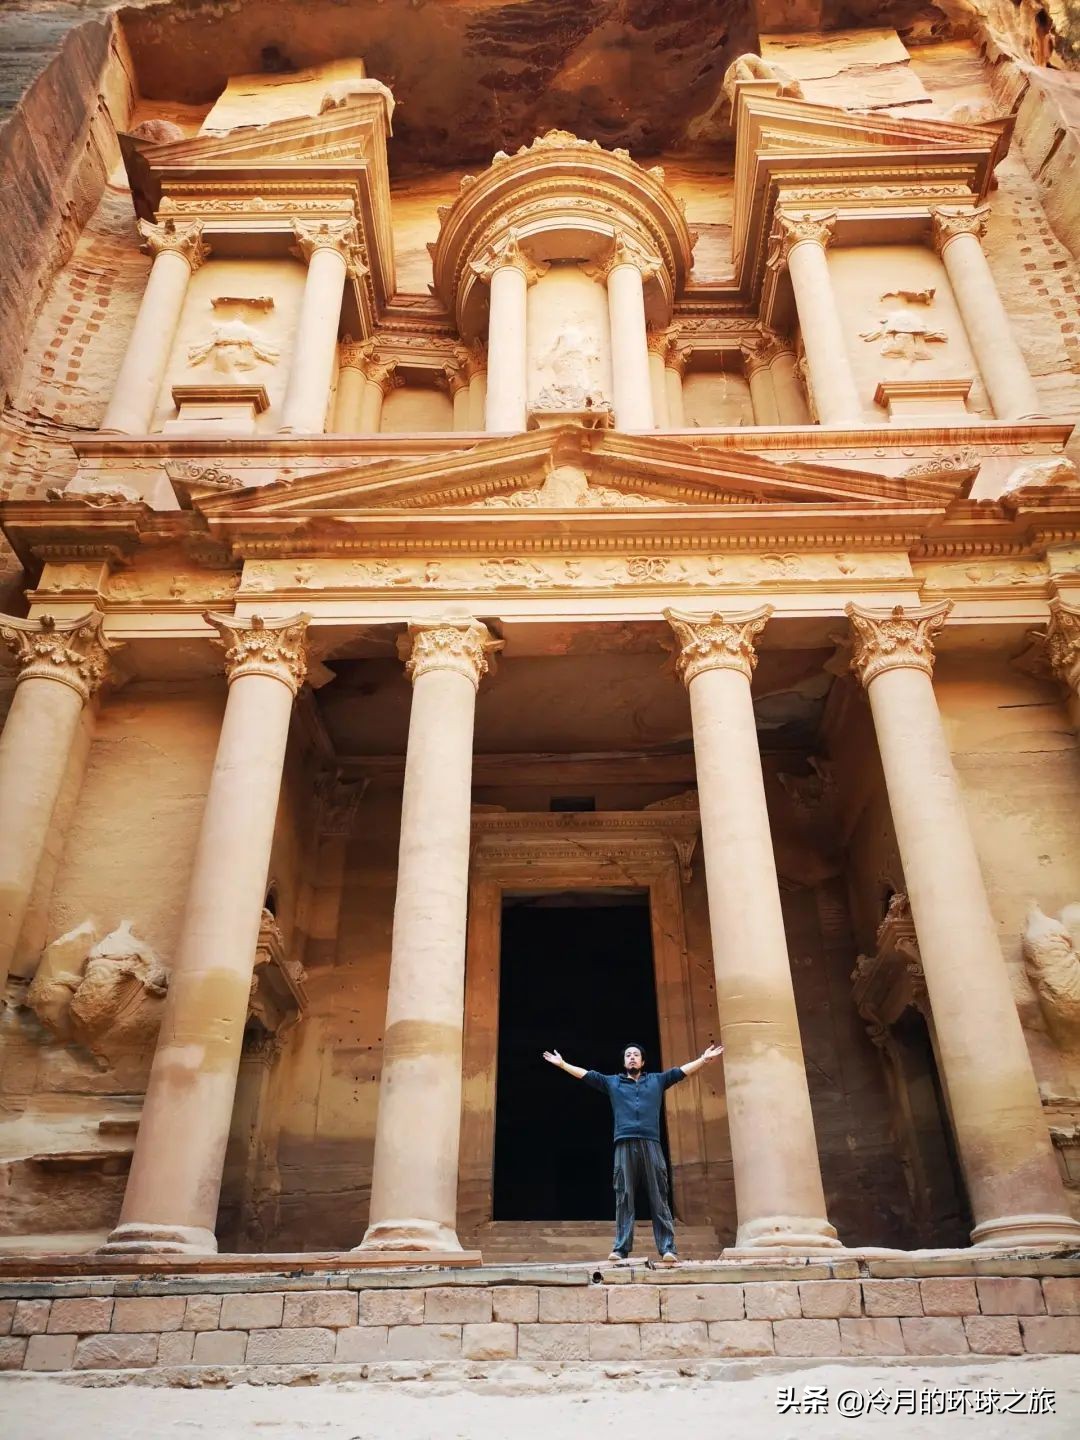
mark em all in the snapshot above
pixel 508 253
pixel 338 235
pixel 716 642
pixel 625 250
pixel 790 230
pixel 1063 642
pixel 762 349
pixel 897 639
pixel 75 652
pixel 169 237
pixel 459 645
pixel 948 222
pixel 256 646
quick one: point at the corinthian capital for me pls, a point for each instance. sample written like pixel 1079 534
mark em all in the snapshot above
pixel 459 645
pixel 357 354
pixel 472 359
pixel 255 646
pixel 791 230
pixel 1063 643
pixel 184 240
pixel 74 652
pixel 509 254
pixel 337 235
pixel 716 642
pixel 625 250
pixel 895 639
pixel 948 222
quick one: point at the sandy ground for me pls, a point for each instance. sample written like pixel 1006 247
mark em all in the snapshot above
pixel 735 1401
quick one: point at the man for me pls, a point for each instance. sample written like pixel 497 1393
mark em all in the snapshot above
pixel 636 1097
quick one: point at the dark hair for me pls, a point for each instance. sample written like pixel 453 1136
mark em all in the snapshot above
pixel 633 1045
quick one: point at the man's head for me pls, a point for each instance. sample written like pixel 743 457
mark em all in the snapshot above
pixel 633 1059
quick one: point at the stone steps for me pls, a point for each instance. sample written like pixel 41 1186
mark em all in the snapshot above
pixel 553 1242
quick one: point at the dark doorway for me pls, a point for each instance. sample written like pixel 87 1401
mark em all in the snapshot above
pixel 577 977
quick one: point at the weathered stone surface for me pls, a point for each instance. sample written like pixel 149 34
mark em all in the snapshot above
pixel 560 1307
pixel 50 1352
pixel 251 1312
pixel 12 1352
pixel 1051 1334
pixel 457 1306
pixel 333 1309
pixel 288 1347
pixel 891 1297
pixel 740 1337
pixel 778 1300
pixel 203 1312
pixel 517 1304
pixel 391 1307
pixel 424 1342
pixel 31 1317
pixel 877 1336
pixel 829 1299
pixel 220 1347
pixel 807 1337
pixel 362 1342
pixel 488 1341
pixel 81 1316
pixel 553 1342
pixel 1010 1295
pixel 993 1334
pixel 949 1297
pixel 176 1348
pixel 628 1303
pixel 1062 1295
pixel 940 1335
pixel 116 1352
pixel 150 1312
pixel 674 1340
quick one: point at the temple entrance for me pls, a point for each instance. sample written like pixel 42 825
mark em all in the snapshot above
pixel 576 975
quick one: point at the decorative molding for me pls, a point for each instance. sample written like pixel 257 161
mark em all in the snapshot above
pixel 716 642
pixel 894 640
pixel 184 240
pixel 628 251
pixel 509 254
pixel 341 236
pixel 256 646
pixel 947 222
pixel 451 644
pixel 759 351
pixel 74 652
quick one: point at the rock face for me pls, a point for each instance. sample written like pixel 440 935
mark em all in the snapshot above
pixel 1052 956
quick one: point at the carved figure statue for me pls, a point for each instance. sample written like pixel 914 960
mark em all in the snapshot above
pixel 904 336
pixel 234 347
pixel 1052 958
pixel 106 995
pixel 756 67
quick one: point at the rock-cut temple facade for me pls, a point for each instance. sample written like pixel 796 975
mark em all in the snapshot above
pixel 469 600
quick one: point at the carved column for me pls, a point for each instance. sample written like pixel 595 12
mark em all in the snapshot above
pixel 791 406
pixel 800 242
pixel 473 359
pixel 659 341
pixel 625 269
pixel 415 1176
pixel 353 359
pixel 1012 1178
pixel 675 363
pixel 457 385
pixel 778 1188
pixel 957 237
pixel 61 664
pixel 329 248
pixel 1063 646
pixel 757 355
pixel 379 380
pixel 509 272
pixel 170 1205
pixel 178 251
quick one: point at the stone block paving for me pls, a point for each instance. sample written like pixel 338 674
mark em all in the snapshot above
pixel 647 1320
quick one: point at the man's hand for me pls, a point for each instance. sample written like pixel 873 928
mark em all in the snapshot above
pixel 711 1052
pixel 554 1058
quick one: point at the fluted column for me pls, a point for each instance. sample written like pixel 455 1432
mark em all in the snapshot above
pixel 778 1190
pixel 625 269
pixel 659 342
pixel 329 248
pixel 171 1201
pixel 415 1169
pixel 61 664
pixel 353 360
pixel 1063 646
pixel 957 237
pixel 509 271
pixel 1004 1146
pixel 757 355
pixel 675 363
pixel 178 251
pixel 800 242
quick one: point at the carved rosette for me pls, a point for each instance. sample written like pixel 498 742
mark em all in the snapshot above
pixel 509 254
pixel 716 642
pixel 255 646
pixel 897 639
pixel 184 240
pixel 625 250
pixel 459 645
pixel 341 236
pixel 75 652
pixel 1063 643
pixel 948 222
pixel 791 230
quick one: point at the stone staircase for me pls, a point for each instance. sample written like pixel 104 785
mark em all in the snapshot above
pixel 549 1242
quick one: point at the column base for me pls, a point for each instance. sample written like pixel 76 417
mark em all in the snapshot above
pixel 409 1235
pixel 137 1239
pixel 794 1233
pixel 1023 1232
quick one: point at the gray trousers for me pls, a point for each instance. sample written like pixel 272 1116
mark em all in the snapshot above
pixel 642 1160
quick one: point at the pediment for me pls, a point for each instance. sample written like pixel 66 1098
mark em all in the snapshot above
pixel 570 471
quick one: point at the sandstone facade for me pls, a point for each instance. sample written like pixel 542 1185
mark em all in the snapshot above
pixel 689 524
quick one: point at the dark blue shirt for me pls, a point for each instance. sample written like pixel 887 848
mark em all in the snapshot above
pixel 636 1103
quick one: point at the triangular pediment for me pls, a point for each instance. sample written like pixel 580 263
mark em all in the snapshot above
pixel 570 470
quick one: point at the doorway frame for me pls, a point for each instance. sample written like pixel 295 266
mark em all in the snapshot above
pixel 649 850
